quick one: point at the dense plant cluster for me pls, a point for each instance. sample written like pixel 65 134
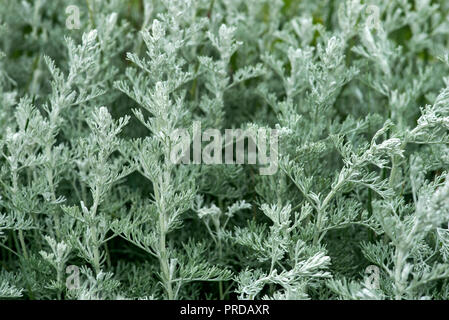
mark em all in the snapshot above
pixel 90 208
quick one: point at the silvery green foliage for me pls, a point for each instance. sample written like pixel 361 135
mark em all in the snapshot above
pixel 92 208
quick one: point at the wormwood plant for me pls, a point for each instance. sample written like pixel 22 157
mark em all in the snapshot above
pixel 92 207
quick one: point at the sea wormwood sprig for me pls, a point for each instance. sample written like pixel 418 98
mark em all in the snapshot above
pixel 92 207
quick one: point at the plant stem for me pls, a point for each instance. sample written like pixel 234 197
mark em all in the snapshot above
pixel 398 274
pixel 321 210
pixel 166 278
pixel 22 243
pixel 163 254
